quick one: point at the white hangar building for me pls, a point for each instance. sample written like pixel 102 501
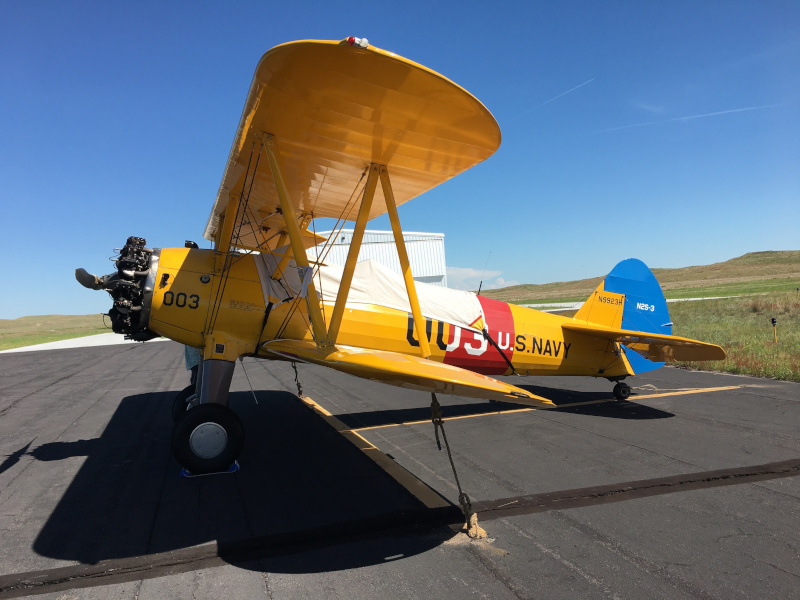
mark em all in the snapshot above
pixel 425 252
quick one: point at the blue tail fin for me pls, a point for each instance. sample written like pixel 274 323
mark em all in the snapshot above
pixel 645 307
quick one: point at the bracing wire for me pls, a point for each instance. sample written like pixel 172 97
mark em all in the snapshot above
pixel 241 360
pixel 326 249
pixel 484 271
pixel 243 201
pixel 328 246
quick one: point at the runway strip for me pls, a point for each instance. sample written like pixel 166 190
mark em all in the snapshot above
pixel 404 523
pixel 88 341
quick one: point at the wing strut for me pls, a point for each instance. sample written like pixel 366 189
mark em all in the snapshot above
pixel 419 323
pixel 296 239
pixel 352 254
pixel 285 260
pixel 376 171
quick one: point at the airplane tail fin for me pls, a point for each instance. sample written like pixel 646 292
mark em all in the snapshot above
pixel 629 298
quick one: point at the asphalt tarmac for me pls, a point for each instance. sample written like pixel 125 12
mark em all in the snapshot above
pixel 688 490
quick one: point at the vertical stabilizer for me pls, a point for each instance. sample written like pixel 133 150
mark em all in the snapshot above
pixel 645 308
pixel 602 308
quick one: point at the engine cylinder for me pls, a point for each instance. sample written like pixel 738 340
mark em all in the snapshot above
pixel 131 288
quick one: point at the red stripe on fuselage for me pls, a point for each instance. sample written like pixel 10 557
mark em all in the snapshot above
pixel 476 353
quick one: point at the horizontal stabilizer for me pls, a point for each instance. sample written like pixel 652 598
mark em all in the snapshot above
pixel 654 346
pixel 404 371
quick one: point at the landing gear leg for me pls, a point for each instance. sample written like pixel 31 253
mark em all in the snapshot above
pixel 189 396
pixel 181 402
pixel 208 437
pixel 622 391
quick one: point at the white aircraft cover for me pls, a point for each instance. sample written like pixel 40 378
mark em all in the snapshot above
pixel 373 284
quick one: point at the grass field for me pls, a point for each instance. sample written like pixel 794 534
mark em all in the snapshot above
pixel 743 327
pixel 26 331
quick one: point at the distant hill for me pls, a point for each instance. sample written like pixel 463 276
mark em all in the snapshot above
pixel 750 273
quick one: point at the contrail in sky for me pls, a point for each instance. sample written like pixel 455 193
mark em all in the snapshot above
pixel 689 118
pixel 556 97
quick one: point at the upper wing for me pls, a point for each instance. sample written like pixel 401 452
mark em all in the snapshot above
pixel 332 110
pixel 405 371
pixel 654 346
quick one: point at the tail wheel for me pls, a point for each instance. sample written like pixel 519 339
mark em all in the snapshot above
pixel 622 391
pixel 180 403
pixel 207 439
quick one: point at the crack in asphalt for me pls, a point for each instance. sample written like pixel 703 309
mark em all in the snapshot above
pixel 401 523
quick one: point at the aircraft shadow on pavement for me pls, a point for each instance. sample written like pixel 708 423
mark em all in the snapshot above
pixel 629 409
pixel 398 416
pixel 301 485
pixel 608 407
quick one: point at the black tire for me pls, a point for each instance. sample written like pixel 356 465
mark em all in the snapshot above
pixel 622 391
pixel 179 402
pixel 207 439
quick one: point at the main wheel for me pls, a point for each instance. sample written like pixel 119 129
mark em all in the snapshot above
pixel 179 404
pixel 622 391
pixel 207 439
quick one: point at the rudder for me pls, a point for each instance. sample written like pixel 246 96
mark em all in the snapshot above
pixel 645 307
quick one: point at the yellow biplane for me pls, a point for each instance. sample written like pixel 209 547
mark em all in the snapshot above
pixel 347 131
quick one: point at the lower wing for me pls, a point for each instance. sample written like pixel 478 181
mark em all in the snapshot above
pixel 405 371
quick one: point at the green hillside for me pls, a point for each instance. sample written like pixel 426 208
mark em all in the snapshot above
pixel 755 272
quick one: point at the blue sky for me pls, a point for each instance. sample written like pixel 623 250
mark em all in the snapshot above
pixel 666 131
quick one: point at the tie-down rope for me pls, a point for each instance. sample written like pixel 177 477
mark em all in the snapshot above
pixel 474 530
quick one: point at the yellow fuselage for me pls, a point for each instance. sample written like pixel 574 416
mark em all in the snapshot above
pixel 225 315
